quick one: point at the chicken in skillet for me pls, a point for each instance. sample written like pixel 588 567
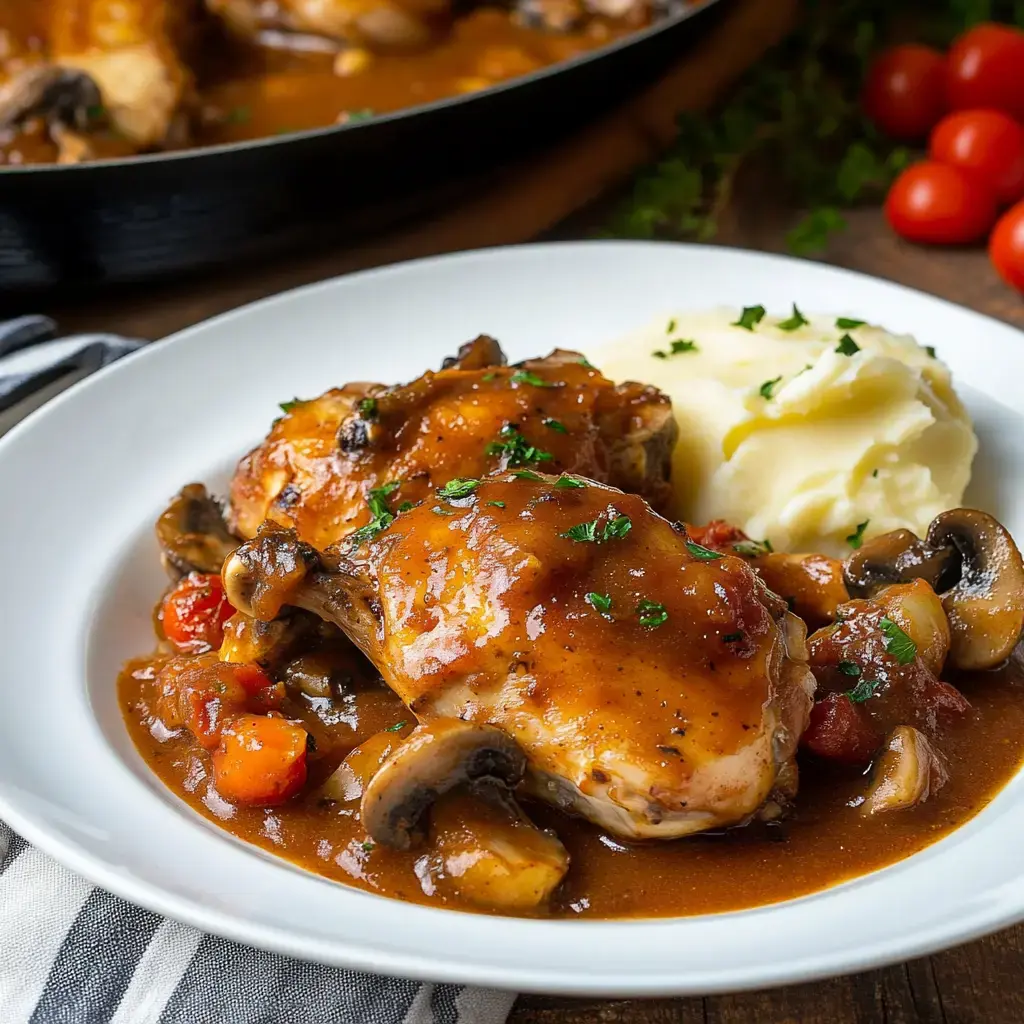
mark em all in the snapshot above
pixel 326 464
pixel 655 686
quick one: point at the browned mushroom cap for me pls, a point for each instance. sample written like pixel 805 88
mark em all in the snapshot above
pixel 907 773
pixel 433 760
pixel 896 557
pixel 985 606
pixel 192 534
pixel 61 95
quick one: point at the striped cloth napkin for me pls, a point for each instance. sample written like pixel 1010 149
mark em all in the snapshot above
pixel 71 953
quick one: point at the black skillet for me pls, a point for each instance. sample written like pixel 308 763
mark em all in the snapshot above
pixel 166 215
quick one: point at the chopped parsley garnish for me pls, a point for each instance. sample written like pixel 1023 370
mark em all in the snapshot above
pixel 676 347
pixel 568 481
pixel 652 614
pixel 382 516
pixel 930 349
pixel 354 116
pixel 732 638
pixel 796 321
pixel 766 389
pixel 599 602
pixel 671 328
pixel 397 727
pixel 584 361
pixel 856 538
pixel 515 450
pixel 749 318
pixel 489 376
pixel 525 377
pixel 897 643
pixel 367 846
pixel 555 425
pixel 527 474
pixel 288 406
pixel 368 408
pixel 753 548
pixel 614 529
pixel 847 346
pixel 497 504
pixel 874 472
pixel 864 690
pixel 240 115
pixel 406 506
pixel 460 487
pixel 849 668
pixel 844 323
pixel 700 552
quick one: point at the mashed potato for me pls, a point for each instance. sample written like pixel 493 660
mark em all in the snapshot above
pixel 800 436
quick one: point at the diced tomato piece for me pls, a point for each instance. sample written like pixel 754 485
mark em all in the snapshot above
pixel 194 613
pixel 203 696
pixel 718 535
pixel 261 760
pixel 841 731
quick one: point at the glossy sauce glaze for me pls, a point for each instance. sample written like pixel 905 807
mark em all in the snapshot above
pixel 823 840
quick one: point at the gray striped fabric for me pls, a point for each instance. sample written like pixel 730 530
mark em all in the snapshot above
pixel 73 954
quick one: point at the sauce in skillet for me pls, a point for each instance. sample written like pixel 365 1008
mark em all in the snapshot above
pixel 822 842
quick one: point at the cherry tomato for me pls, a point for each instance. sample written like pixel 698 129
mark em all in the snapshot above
pixel 194 613
pixel 261 760
pixel 933 203
pixel 1006 246
pixel 987 143
pixel 841 731
pixel 905 91
pixel 985 69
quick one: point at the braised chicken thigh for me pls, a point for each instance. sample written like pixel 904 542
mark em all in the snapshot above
pixel 655 686
pixel 325 462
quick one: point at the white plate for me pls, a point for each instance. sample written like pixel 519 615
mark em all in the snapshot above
pixel 84 478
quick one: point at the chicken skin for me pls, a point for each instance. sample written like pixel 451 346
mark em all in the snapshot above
pixel 656 687
pixel 322 464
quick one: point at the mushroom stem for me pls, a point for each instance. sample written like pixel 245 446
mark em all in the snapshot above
pixel 907 773
pixel 192 534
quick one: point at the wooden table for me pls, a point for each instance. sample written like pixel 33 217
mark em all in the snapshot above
pixel 981 983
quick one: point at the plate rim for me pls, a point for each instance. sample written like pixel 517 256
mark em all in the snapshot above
pixel 66 851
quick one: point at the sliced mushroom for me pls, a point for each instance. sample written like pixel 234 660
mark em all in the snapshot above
pixel 435 759
pixel 971 561
pixel 484 849
pixel 60 95
pixel 907 773
pixel 349 780
pixel 192 534
pixel 986 606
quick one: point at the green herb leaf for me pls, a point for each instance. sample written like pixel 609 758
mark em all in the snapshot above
pixel 844 323
pixel 732 638
pixel 753 548
pixel 814 231
pixel 796 321
pixel 676 347
pixel 555 425
pixel 700 552
pixel 527 474
pixel 239 115
pixel 497 504
pixel 526 377
pixel 617 528
pixel 849 668
pixel 288 406
pixel 367 846
pixel 489 376
pixel 651 613
pixel 382 516
pixel 847 346
pixel 930 349
pixel 460 487
pixel 406 506
pixel 584 361
pixel 671 328
pixel 565 481
pixel 897 643
pixel 515 450
pixel 614 529
pixel 750 317
pixel 599 602
pixel 397 727
pixel 864 690
pixel 368 408
pixel 856 538
pixel 355 116
pixel 583 532
pixel 766 389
